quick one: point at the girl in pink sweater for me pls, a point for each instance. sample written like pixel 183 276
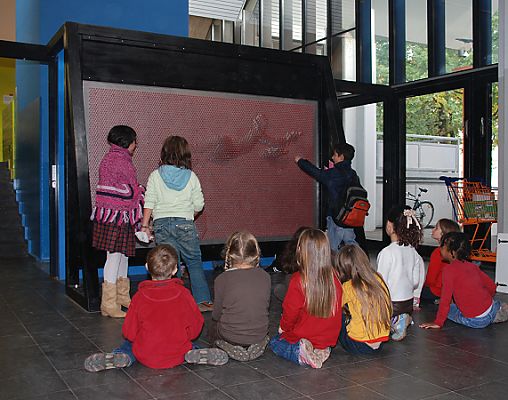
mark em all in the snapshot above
pixel 118 208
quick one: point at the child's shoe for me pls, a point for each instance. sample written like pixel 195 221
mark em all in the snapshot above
pixel 237 353
pixel 101 361
pixel 256 350
pixel 399 326
pixel 502 314
pixel 123 297
pixel 310 356
pixel 109 306
pixel 206 356
pixel 205 306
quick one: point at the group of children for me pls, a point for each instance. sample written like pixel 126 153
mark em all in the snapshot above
pixel 328 297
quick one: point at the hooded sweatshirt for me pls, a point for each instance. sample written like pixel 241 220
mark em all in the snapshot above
pixel 162 320
pixel 174 192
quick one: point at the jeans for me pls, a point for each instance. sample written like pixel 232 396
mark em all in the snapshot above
pixel 352 346
pixel 284 349
pixel 337 234
pixel 183 236
pixel 456 316
pixel 126 348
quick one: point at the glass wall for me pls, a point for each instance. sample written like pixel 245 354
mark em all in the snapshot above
pixel 416 40
pixel 434 138
pixel 380 65
pixel 495 31
pixel 459 35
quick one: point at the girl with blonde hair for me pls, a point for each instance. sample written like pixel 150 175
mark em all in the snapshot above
pixel 367 307
pixel 239 323
pixel 311 315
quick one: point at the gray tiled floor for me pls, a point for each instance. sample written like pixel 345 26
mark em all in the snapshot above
pixel 44 338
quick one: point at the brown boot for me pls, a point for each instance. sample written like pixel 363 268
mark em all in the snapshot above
pixel 123 286
pixel 109 306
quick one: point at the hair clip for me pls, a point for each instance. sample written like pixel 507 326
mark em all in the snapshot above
pixel 410 217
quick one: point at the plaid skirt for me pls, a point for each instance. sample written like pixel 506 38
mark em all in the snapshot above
pixel 114 238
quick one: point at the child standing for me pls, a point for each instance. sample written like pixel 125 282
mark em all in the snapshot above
pixel 311 311
pixel 118 208
pixel 402 267
pixel 242 297
pixel 471 289
pixel 433 281
pixel 161 323
pixel 366 300
pixel 174 198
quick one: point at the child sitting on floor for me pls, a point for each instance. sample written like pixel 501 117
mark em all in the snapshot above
pixel 242 296
pixel 161 323
pixel 367 308
pixel 432 287
pixel 402 267
pixel 311 311
pixel 470 288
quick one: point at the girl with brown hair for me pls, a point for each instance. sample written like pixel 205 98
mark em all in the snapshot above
pixel 174 198
pixel 365 300
pixel 402 267
pixel 311 316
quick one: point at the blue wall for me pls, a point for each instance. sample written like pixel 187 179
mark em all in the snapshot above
pixel 169 17
pixel 36 24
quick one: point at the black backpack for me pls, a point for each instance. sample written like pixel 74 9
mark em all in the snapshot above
pixel 353 205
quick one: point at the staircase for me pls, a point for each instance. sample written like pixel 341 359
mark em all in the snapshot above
pixel 12 241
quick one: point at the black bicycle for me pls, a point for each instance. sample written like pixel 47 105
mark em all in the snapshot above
pixel 424 210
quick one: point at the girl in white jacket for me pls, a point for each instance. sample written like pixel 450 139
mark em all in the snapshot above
pixel 402 267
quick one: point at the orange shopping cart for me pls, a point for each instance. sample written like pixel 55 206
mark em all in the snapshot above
pixel 475 205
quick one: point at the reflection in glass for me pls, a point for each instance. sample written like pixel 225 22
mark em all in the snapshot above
pixel 434 147
pixel 343 57
pixel 380 65
pixel 416 40
pixel 343 15
pixel 250 26
pixel 459 35
pixel 495 31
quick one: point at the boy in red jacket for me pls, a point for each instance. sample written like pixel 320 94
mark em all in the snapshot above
pixel 161 323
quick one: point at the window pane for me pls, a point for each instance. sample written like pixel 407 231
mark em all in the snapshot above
pixel 434 147
pixel 365 132
pixel 271 24
pixel 316 18
pixel 495 31
pixel 292 24
pixel 343 15
pixel 416 40
pixel 380 29
pixel 250 34
pixel 459 35
pixel 343 59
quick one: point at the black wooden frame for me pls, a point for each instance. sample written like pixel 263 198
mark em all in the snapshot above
pixel 122 56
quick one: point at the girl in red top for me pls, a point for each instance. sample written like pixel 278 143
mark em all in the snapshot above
pixel 471 289
pixel 311 311
pixel 432 287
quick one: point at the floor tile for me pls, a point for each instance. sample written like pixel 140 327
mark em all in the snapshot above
pixel 350 393
pixel 182 383
pixel 127 391
pixel 230 374
pixel 366 372
pixel 76 378
pixel 315 381
pixel 405 388
pixel 267 389
pixel 491 390
pixel 31 384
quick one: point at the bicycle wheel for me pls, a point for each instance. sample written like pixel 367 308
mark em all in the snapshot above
pixel 424 213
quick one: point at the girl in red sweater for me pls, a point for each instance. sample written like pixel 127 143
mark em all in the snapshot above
pixel 311 311
pixel 471 289
pixel 433 281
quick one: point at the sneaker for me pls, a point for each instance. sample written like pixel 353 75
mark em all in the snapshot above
pixel 310 356
pixel 256 350
pixel 101 361
pixel 205 306
pixel 502 314
pixel 206 356
pixel 236 352
pixel 399 326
